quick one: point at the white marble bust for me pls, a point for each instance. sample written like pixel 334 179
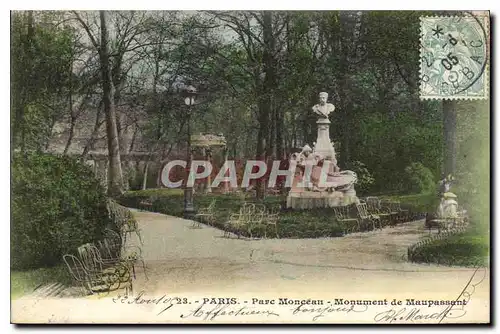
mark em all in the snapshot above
pixel 323 109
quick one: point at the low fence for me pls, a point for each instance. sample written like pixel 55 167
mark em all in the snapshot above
pixel 412 250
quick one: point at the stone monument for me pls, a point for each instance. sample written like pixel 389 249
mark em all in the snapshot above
pixel 318 180
pixel 323 145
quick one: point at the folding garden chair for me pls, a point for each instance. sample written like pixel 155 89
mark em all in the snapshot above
pixel 347 223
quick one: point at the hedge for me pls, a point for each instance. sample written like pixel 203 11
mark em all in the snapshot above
pixel 57 205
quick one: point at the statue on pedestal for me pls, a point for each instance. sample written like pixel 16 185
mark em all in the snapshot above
pixel 323 108
pixel 318 181
pixel 323 145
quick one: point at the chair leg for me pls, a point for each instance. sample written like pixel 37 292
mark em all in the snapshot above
pixel 144 268
pixel 140 237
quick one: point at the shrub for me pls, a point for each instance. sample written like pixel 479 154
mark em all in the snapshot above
pixel 57 205
pixel 365 178
pixel 418 179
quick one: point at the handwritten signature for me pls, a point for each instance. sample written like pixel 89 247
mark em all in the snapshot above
pixel 466 294
pixel 321 311
pixel 164 300
pixel 211 312
pixel 454 310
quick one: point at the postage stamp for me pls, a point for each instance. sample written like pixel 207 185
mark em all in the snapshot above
pixel 454 52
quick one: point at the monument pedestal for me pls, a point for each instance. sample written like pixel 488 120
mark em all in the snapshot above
pixel 323 145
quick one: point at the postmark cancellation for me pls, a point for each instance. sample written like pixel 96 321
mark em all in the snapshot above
pixel 454 54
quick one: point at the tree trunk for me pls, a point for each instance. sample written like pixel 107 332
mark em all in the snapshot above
pixel 71 134
pixel 115 177
pixel 279 134
pixel 94 134
pixel 261 148
pixel 450 127
pixel 267 94
pixel 145 177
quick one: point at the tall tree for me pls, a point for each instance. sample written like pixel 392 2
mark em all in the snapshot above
pixel 40 58
pixel 115 177
pixel 450 127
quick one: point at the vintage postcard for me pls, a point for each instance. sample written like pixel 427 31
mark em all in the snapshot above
pixel 273 167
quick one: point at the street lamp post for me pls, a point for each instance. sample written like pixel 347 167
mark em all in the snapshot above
pixel 189 100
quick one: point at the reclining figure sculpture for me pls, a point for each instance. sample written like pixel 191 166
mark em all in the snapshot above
pixel 315 173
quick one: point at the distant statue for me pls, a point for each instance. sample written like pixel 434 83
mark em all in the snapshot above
pixel 323 109
pixel 445 184
pixel 448 208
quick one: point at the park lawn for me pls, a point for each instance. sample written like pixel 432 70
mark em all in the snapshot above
pixel 469 248
pixel 292 223
pixel 462 249
pixel 425 202
pixel 156 192
pixel 25 282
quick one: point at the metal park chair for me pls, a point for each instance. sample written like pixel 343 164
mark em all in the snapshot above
pixel 147 203
pixel 95 281
pixel 89 283
pixel 207 214
pixel 124 220
pixel 237 222
pixel 368 221
pixel 112 250
pixel 234 224
pixel 441 224
pixel 93 261
pixel 388 207
pixel 347 223
pixel 256 216
pixel 264 218
pixel 403 214
pixel 272 218
pixel 131 226
pixel 373 205
pixel 463 218
pixel 447 223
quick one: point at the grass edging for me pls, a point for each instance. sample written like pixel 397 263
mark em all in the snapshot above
pixel 25 282
pixel 459 247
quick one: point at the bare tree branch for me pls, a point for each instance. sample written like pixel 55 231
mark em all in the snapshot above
pixel 87 29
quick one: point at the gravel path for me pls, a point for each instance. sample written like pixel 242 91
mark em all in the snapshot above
pixel 184 260
pixel 178 255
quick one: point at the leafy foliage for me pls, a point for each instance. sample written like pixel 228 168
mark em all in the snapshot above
pixel 41 70
pixel 365 178
pixel 418 179
pixel 57 205
pixel 420 203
